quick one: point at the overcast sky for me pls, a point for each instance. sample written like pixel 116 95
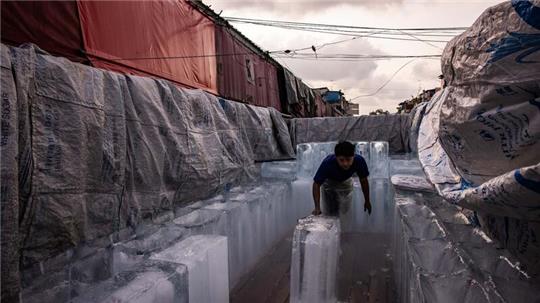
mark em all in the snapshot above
pixel 359 77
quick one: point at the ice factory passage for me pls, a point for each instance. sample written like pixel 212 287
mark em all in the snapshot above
pixel 258 243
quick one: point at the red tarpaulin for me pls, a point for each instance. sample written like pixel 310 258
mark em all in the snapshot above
pixel 242 74
pixel 167 39
pixel 53 26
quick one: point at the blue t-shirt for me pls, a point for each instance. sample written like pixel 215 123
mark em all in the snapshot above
pixel 330 169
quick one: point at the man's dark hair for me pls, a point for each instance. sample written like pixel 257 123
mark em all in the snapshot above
pixel 344 149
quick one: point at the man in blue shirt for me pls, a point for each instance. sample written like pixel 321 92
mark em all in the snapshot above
pixel 334 177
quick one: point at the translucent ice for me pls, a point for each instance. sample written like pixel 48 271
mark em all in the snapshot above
pixel 164 236
pixel 203 221
pixel 253 217
pixel 234 213
pixel 357 220
pixel 362 149
pixel 301 203
pixel 378 154
pixel 151 282
pixel 206 258
pixel 285 170
pixel 310 155
pixel 314 260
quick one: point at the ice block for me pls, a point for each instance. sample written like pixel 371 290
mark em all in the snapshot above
pixel 203 221
pixel 206 258
pixel 378 154
pixel 235 216
pixel 314 261
pixel 362 149
pixel 285 170
pixel 310 155
pixel 150 282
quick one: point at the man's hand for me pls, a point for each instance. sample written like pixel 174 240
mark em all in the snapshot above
pixel 367 207
pixel 316 212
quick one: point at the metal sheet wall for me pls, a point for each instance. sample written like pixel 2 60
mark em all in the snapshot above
pixel 167 39
pixel 261 88
pixel 52 25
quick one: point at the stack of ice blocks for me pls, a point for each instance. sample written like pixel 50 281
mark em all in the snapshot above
pixel 378 154
pixel 150 282
pixel 310 155
pixel 252 217
pixel 315 252
pixel 206 259
pixel 263 207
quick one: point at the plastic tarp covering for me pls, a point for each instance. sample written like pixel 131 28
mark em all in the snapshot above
pixel 479 139
pixel 391 128
pixel 111 151
pixel 306 97
pixel 136 36
pixel 440 257
pixel 233 81
pixel 9 172
pixel 290 87
pixel 53 25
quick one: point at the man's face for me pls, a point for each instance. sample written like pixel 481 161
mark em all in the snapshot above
pixel 345 162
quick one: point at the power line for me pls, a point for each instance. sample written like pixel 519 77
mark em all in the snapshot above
pixel 352 33
pixel 385 83
pixel 359 56
pixel 238 19
pixel 292 56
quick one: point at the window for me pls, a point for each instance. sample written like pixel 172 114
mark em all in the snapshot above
pixel 250 72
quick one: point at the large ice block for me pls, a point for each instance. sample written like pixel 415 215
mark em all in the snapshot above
pixel 150 282
pixel 362 149
pixel 285 170
pixel 301 203
pixel 310 155
pixel 378 154
pixel 203 221
pixel 314 261
pixel 206 258
pixel 358 220
pixel 164 236
pixel 235 214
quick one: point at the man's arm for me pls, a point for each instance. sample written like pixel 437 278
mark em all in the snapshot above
pixel 365 190
pixel 316 198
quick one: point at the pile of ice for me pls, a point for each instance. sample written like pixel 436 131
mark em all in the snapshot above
pixel 310 155
pixel 225 235
pixel 315 253
pixel 150 282
pixel 205 257
pixel 439 256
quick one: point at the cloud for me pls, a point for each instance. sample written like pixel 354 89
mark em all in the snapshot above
pixel 426 70
pixel 296 7
pixel 344 73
